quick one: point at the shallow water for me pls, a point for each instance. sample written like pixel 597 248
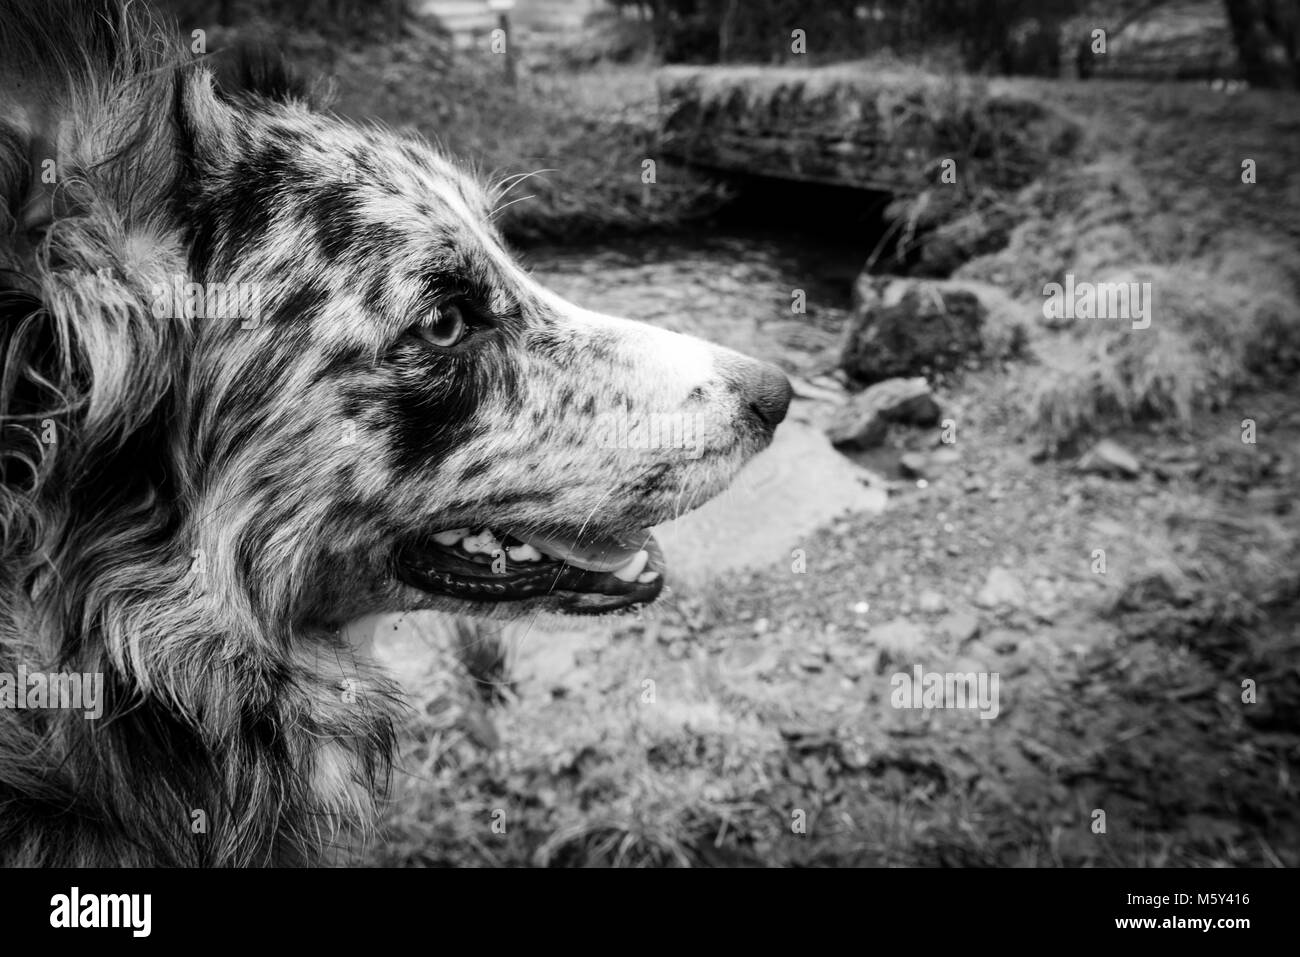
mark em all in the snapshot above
pixel 737 290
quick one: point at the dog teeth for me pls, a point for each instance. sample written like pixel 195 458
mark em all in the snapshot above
pixel 523 553
pixel 634 567
pixel 484 543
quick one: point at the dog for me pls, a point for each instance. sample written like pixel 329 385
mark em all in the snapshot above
pixel 265 372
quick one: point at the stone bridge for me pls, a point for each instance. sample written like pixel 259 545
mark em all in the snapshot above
pixel 848 125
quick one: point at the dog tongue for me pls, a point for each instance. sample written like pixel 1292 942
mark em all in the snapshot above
pixel 601 555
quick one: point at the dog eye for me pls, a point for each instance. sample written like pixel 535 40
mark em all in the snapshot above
pixel 445 327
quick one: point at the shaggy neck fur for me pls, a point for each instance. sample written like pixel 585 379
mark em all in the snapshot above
pixel 222 741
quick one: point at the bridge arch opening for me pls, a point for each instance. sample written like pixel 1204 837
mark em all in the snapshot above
pixel 856 219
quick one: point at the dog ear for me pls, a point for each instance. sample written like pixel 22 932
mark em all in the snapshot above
pixel 103 132
pixel 211 95
pixel 251 71
pixel 206 124
pixel 88 170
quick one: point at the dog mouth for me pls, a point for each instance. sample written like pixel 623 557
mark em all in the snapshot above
pixel 582 572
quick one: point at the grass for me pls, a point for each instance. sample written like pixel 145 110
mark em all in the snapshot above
pixel 1213 333
pixel 1226 313
pixel 701 776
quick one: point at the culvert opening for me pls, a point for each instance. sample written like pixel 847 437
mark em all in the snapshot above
pixel 853 218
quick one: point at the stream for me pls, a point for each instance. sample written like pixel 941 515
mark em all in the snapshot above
pixel 736 290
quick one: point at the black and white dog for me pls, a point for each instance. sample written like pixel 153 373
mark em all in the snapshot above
pixel 264 372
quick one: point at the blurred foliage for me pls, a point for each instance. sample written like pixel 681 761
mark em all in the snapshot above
pixel 355 20
pixel 988 34
pixel 998 36
pixel 1267 34
pixel 985 36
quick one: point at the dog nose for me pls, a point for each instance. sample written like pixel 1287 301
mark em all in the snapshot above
pixel 763 387
pixel 771 394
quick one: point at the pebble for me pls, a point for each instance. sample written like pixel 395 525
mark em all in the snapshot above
pixel 1001 588
pixel 931 602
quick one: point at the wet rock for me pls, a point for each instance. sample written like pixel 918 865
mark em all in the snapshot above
pixel 908 326
pixel 863 421
pixel 1001 589
pixel 854 428
pixel 966 237
pixel 907 401
pixel 928 465
pixel 1110 459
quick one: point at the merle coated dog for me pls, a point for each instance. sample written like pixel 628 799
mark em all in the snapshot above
pixel 263 372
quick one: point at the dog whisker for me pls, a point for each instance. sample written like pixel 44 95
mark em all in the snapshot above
pixel 503 187
pixel 497 210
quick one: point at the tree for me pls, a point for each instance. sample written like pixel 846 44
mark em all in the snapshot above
pixel 1267 35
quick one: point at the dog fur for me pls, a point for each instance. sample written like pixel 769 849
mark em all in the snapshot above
pixel 193 505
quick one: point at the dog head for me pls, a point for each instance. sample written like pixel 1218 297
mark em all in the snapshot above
pixel 409 406
pixel 313 340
